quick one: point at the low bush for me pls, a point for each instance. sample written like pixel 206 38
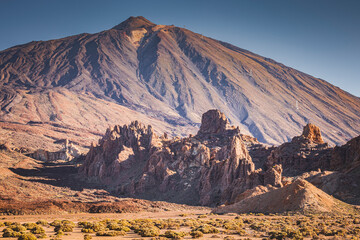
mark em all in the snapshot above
pixel 148 231
pixel 174 235
pixel 27 236
pixel 87 237
pixel 196 234
pixel 42 222
pixel 8 232
pixel 205 228
pixel 29 226
pixel 110 233
pixel 18 228
pixel 37 230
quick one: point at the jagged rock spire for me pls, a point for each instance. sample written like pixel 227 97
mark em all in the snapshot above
pixel 312 133
pixel 213 122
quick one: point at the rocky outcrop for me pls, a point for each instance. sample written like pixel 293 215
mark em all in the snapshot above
pixel 273 176
pixel 299 196
pixel 213 122
pixel 346 157
pixel 67 153
pixel 120 154
pixel 304 153
pixel 209 168
pixel 312 133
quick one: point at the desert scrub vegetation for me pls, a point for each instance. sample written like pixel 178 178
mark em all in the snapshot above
pixel 148 231
pixel 206 229
pixel 87 237
pixel 110 233
pixel 174 235
pixel 27 236
pixel 310 226
pixel 8 232
pixel 196 234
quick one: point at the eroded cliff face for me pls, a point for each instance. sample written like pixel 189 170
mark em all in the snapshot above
pixel 210 168
pixel 304 153
pixel 347 157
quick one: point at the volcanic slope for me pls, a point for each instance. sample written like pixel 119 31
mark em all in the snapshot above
pixel 174 75
pixel 298 196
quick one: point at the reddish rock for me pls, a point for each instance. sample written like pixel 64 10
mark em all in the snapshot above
pixel 312 133
pixel 67 153
pixel 346 157
pixel 210 168
pixel 304 153
pixel 273 176
pixel 213 122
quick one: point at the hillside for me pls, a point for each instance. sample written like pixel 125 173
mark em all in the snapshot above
pixel 169 74
pixel 299 196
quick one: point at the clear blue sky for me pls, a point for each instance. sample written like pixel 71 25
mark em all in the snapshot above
pixel 318 37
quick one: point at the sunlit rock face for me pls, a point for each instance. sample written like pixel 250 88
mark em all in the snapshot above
pixel 209 168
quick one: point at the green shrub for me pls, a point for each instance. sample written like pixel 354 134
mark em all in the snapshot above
pixel 42 235
pixel 88 227
pixel 148 231
pixel 174 235
pixel 205 228
pixel 8 232
pixel 27 236
pixel 42 222
pixel 37 230
pixel 232 226
pixel 64 226
pixel 29 226
pixel 18 228
pixel 241 232
pixel 55 223
pixel 87 230
pixel 7 223
pixel 229 238
pixel 87 237
pixel 277 235
pixel 110 233
pixel 196 234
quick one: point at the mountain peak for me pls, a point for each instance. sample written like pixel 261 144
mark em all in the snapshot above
pixel 133 23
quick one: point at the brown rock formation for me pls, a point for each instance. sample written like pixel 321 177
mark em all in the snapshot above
pixel 210 168
pixel 304 153
pixel 120 153
pixel 312 133
pixel 273 176
pixel 213 122
pixel 346 157
pixel 299 196
pixel 67 153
